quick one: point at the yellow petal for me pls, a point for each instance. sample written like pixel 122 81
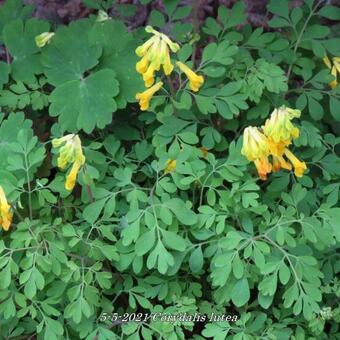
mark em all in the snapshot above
pixel 263 167
pixel 280 162
pixel 333 83
pixel 195 81
pixel 70 150
pixel 143 49
pixel 44 38
pixel 174 47
pixel 279 127
pixel 255 144
pixel 327 62
pixel 149 76
pixel 5 211
pixel 336 64
pixel 102 16
pixel 145 97
pixel 142 65
pixel 165 58
pixel 72 176
pixel 299 167
pixel 56 142
pixel 170 166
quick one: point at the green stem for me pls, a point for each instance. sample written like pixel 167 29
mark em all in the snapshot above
pixel 298 40
pixel 29 188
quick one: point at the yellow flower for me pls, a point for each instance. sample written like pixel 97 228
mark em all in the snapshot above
pixel 142 50
pixel 5 211
pixel 44 38
pixel 255 144
pixel 195 81
pixel 170 166
pixel 72 176
pixel 145 97
pixel 277 135
pixel 263 167
pixel 299 167
pixel 142 65
pixel 70 152
pixel 149 75
pixel 154 53
pixel 279 162
pixel 165 58
pixel 279 127
pixel 102 16
pixel 256 149
pixel 334 66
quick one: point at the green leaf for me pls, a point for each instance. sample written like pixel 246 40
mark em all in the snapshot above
pixel 118 44
pixel 70 53
pixel 334 105
pixel 93 210
pixel 173 241
pixel 196 260
pixel 315 109
pixel 145 242
pixel 19 39
pixel 11 10
pixel 330 12
pixel 5 276
pixel 240 293
pixel 184 215
pixel 279 8
pixel 87 103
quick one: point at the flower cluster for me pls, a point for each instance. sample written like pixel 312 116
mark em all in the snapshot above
pixel 273 140
pixel 70 152
pixel 334 66
pixel 155 55
pixel 5 211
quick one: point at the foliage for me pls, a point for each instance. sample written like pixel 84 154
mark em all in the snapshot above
pixel 168 216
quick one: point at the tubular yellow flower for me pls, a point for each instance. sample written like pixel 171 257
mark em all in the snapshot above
pixel 263 167
pixel 277 135
pixel 149 76
pixel 279 127
pixel 5 211
pixel 256 149
pixel 299 167
pixel 165 58
pixel 279 162
pixel 154 53
pixel 334 66
pixel 70 152
pixel 327 62
pixel 145 97
pixel 336 63
pixel 170 166
pixel 334 82
pixel 72 176
pixel 143 49
pixel 195 81
pixel 102 16
pixel 255 144
pixel 44 38
pixel 142 65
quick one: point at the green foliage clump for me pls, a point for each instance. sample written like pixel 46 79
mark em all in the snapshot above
pixel 167 216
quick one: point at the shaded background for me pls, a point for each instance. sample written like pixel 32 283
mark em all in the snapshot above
pixel 64 11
